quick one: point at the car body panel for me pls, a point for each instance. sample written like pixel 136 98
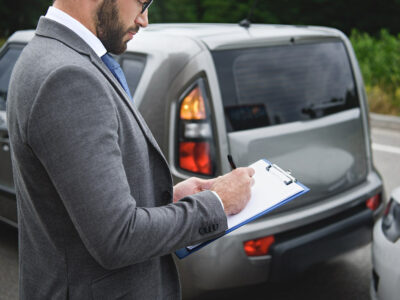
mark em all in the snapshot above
pixel 386 263
pixel 337 138
pixel 200 67
pixel 231 36
pixel 385 283
pixel 6 180
pixel 8 213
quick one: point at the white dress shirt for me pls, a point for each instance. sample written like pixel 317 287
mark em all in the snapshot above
pixel 85 34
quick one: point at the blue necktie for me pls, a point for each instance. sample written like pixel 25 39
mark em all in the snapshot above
pixel 116 69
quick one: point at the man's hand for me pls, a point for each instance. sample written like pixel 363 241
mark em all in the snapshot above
pixel 234 189
pixel 191 186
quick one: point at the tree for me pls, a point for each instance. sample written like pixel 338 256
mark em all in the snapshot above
pixel 20 14
pixel 365 15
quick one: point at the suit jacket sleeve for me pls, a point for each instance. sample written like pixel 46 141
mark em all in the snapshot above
pixel 73 130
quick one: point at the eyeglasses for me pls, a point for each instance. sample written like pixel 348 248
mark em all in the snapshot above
pixel 145 5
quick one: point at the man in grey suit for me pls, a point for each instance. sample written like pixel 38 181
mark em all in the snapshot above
pixel 98 214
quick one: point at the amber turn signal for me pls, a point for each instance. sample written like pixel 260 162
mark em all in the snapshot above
pixel 193 107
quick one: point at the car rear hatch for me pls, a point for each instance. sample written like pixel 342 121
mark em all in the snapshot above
pixel 296 105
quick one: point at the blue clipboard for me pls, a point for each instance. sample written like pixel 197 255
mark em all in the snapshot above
pixel 287 178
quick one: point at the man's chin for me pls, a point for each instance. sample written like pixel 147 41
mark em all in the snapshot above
pixel 124 46
pixel 119 50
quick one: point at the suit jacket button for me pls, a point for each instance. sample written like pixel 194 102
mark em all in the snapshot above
pixel 202 231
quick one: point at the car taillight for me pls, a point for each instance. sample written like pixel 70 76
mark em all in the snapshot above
pixel 258 247
pixel 193 106
pixel 195 139
pixel 195 157
pixel 373 202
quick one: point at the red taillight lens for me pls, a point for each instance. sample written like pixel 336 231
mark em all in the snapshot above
pixel 373 202
pixel 195 157
pixel 195 142
pixel 258 247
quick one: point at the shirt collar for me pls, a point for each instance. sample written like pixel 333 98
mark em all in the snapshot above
pixel 63 18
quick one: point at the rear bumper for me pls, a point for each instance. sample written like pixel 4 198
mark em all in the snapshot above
pixel 224 265
pixel 292 256
pixel 303 237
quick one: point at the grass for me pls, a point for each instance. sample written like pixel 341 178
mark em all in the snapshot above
pixel 382 101
pixel 379 59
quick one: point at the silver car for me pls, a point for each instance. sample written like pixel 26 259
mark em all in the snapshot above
pixel 291 94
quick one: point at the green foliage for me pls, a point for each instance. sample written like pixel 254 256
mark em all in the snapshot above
pixel 378 51
pixel 20 14
pixel 379 59
pixel 210 11
pixel 383 102
pixel 368 16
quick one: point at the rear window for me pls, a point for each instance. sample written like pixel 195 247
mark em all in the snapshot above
pixel 280 84
pixel 7 62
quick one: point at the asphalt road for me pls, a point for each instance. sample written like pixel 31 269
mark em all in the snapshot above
pixel 386 151
pixel 345 277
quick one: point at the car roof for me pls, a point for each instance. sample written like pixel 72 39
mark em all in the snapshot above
pixel 171 37
pixel 225 36
pixel 21 36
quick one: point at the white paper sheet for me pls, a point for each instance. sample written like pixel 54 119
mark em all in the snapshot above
pixel 269 189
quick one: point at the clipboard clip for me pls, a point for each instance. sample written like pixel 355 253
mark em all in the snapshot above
pixel 287 174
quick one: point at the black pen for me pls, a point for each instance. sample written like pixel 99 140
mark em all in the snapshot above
pixel 230 159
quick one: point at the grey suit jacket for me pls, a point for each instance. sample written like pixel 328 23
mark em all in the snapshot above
pixel 94 190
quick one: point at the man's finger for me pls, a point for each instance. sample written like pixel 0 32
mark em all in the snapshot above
pixel 251 172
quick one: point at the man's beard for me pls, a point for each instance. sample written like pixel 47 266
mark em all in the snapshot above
pixel 110 29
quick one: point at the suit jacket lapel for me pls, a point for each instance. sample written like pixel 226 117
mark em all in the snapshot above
pixel 52 29
pixel 128 101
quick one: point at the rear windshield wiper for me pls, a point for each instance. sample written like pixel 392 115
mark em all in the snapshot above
pixel 313 109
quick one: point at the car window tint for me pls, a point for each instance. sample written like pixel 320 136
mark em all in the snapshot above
pixel 7 62
pixel 133 67
pixel 281 84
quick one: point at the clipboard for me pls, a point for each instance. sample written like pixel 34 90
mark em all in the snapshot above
pixel 273 188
